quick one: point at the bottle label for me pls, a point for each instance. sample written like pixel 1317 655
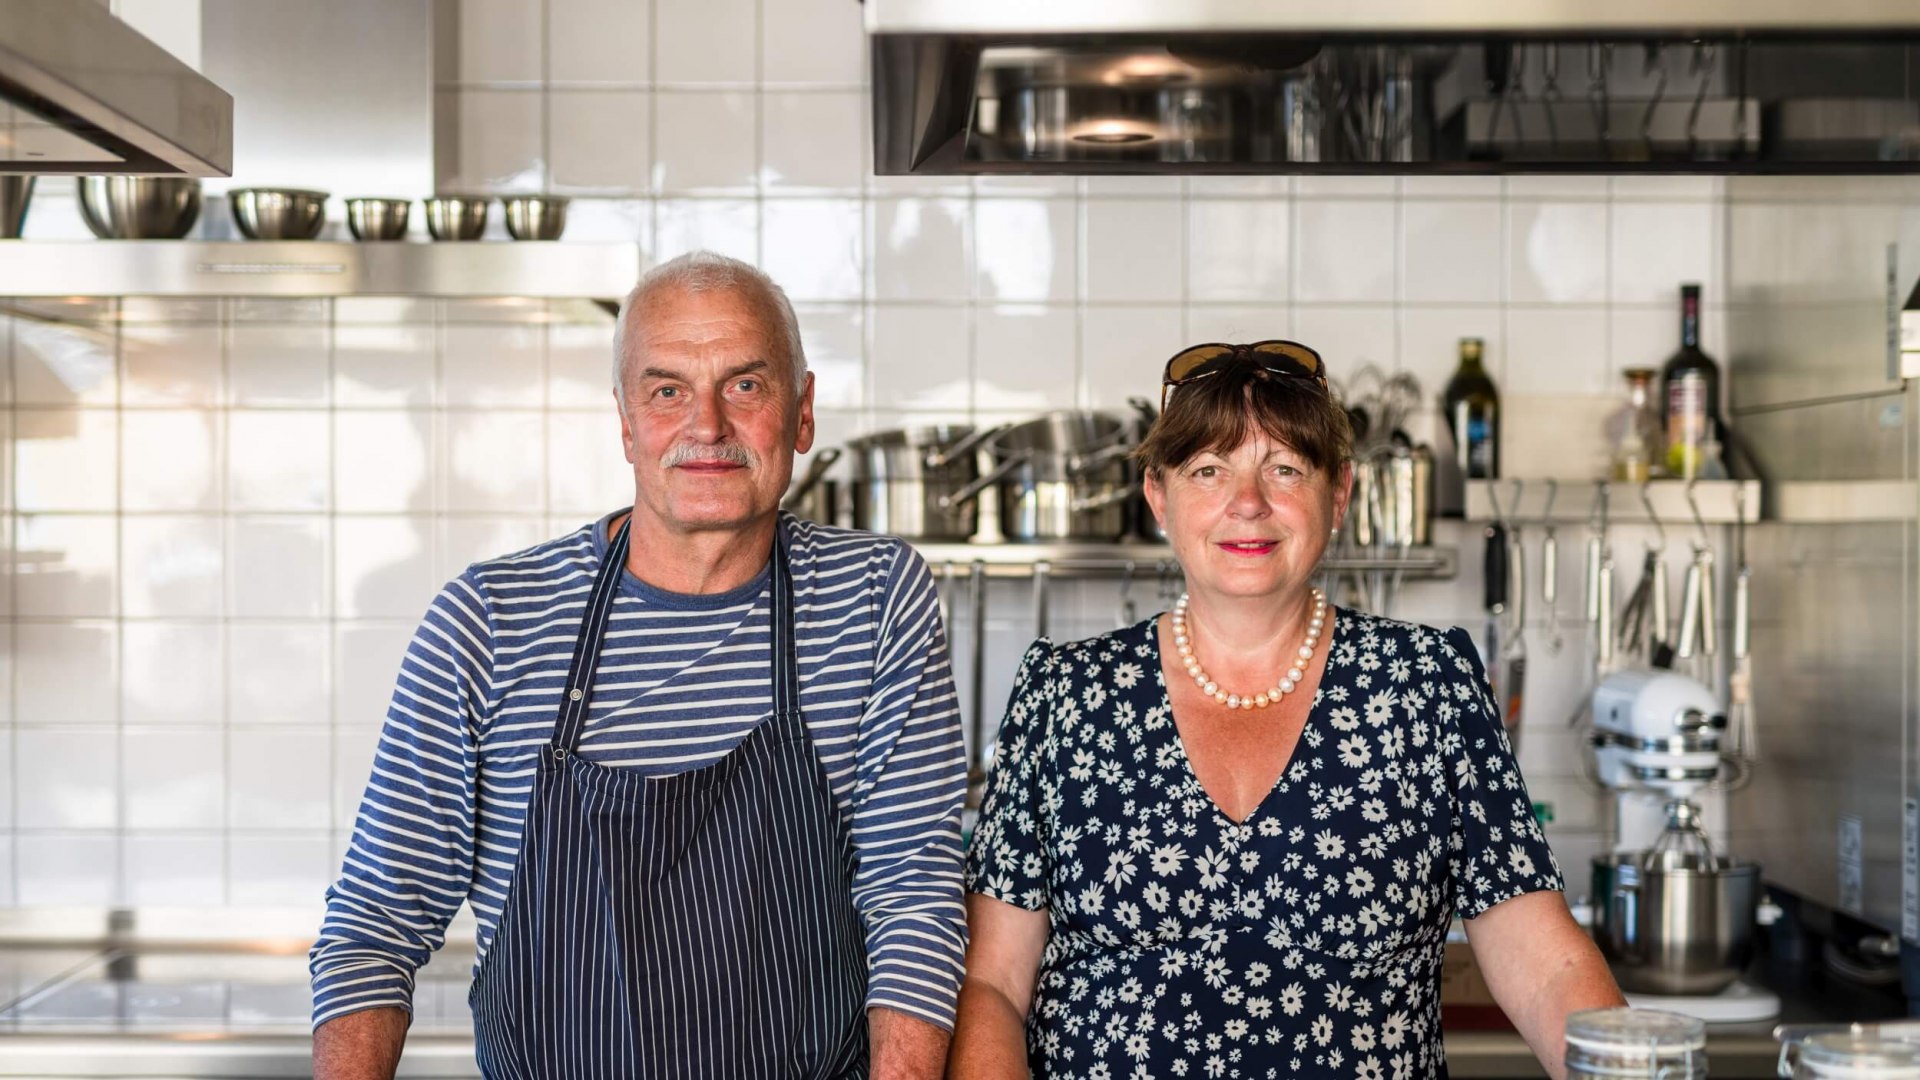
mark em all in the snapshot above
pixel 1686 423
pixel 1480 446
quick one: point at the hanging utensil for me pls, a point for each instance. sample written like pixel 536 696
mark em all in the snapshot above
pixel 1550 573
pixel 977 730
pixel 1495 570
pixel 948 574
pixel 1698 610
pixel 1514 658
pixel 1042 577
pixel 1743 731
pixel 1129 613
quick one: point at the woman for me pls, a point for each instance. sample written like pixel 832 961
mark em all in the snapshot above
pixel 1228 841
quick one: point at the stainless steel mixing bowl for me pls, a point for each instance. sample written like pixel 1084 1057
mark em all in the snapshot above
pixel 139 207
pixel 535 217
pixel 378 219
pixel 16 192
pixel 457 217
pixel 278 213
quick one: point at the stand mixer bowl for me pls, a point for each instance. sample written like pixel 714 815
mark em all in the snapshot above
pixel 1669 930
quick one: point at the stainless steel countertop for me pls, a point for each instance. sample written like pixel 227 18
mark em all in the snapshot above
pixel 224 994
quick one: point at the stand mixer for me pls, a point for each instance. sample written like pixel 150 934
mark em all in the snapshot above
pixel 1673 915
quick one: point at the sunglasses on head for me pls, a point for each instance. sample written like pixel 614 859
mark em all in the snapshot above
pixel 1288 359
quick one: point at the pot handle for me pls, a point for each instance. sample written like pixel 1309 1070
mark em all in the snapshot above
pixel 968 493
pixel 1105 499
pixel 941 456
pixel 1625 905
pixel 1082 464
pixel 821 463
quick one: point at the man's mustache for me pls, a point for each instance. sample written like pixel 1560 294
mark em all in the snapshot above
pixel 730 452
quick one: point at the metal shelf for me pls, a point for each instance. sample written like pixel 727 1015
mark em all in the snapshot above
pixel 312 268
pixel 1088 559
pixel 1720 502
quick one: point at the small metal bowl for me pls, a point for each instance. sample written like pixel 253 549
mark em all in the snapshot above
pixel 278 213
pixel 457 217
pixel 378 219
pixel 139 207
pixel 535 217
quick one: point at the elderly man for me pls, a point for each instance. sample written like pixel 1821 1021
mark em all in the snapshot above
pixel 697 766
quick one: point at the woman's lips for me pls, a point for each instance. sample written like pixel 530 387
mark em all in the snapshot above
pixel 1248 547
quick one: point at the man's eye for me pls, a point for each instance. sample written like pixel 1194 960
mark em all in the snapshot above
pixel 748 385
pixel 667 391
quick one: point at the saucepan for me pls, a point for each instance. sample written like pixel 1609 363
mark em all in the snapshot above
pixel 904 480
pixel 814 497
pixel 1062 476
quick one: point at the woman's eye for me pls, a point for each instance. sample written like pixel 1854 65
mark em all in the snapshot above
pixel 1206 472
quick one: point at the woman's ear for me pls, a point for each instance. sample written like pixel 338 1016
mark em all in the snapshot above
pixel 1156 495
pixel 1342 493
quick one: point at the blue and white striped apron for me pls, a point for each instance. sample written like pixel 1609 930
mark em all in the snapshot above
pixel 697 924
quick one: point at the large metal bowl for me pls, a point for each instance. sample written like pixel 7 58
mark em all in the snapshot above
pixel 1674 931
pixel 378 219
pixel 457 217
pixel 278 213
pixel 139 207
pixel 535 217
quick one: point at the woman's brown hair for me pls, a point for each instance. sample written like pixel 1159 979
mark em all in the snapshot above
pixel 1219 413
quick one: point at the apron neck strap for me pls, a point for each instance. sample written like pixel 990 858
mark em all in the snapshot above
pixel 578 695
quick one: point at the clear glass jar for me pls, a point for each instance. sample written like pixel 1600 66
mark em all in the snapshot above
pixel 1634 431
pixel 1645 1043
pixel 1848 1055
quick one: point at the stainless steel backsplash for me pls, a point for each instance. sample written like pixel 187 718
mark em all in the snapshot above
pixel 1834 607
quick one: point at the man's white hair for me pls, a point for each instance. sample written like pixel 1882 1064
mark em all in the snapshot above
pixel 699 271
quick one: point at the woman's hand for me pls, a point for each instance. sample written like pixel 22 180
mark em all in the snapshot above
pixel 1541 966
pixel 1003 962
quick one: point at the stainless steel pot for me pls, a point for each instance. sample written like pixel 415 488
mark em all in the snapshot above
pixel 1671 930
pixel 904 481
pixel 1063 476
pixel 1393 497
pixel 814 497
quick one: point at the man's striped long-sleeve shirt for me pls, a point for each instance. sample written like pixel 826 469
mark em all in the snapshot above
pixel 681 681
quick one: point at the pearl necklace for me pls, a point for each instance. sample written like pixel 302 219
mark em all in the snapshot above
pixel 1183 641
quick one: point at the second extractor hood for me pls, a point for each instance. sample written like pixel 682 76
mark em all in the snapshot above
pixel 82 92
pixel 1198 86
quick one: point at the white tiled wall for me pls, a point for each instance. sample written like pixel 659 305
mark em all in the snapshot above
pixel 224 528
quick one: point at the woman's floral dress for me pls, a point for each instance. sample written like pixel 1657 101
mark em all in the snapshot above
pixel 1305 941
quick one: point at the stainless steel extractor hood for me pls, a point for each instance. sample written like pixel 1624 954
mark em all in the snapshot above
pixel 1198 86
pixel 82 92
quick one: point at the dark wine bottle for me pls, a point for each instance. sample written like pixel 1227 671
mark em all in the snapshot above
pixel 1690 384
pixel 1473 415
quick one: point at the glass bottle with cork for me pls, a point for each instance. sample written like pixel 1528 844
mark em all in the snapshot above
pixel 1690 398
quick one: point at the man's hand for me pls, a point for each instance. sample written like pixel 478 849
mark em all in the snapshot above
pixel 905 1047
pixel 362 1045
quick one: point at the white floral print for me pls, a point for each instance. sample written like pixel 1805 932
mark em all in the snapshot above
pixel 1304 941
